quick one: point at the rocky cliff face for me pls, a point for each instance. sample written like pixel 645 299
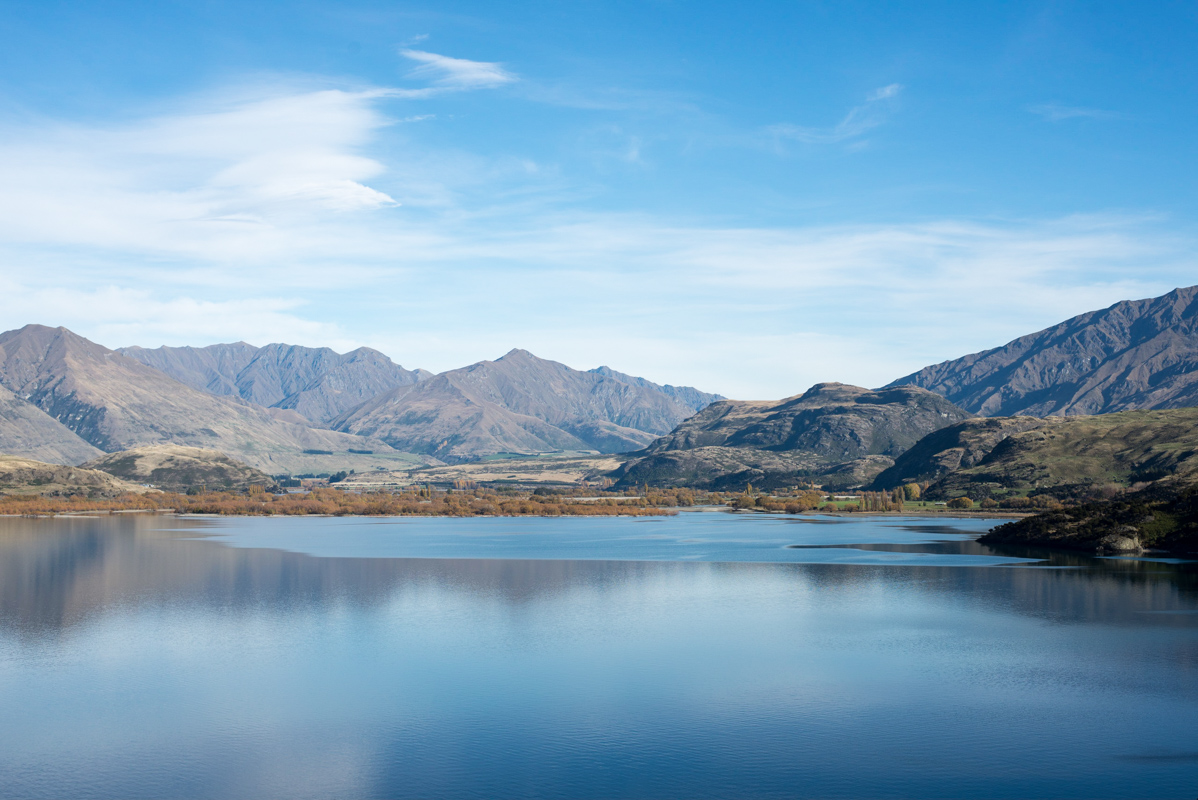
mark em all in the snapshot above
pixel 833 434
pixel 316 382
pixel 1137 354
pixel 518 403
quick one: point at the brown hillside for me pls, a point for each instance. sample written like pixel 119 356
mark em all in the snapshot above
pixel 116 403
pixel 24 476
pixel 518 403
pixel 176 469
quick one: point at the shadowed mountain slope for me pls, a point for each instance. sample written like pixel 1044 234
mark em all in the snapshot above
pixel 116 403
pixel 29 432
pixel 1137 354
pixel 683 395
pixel 1072 456
pixel 316 382
pixel 959 446
pixel 833 434
pixel 177 469
pixel 518 403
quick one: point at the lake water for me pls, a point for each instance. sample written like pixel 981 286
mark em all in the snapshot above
pixel 700 656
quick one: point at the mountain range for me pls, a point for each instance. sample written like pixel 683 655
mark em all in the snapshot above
pixel 283 408
pixel 110 402
pixel 1137 354
pixel 316 382
pixel 521 403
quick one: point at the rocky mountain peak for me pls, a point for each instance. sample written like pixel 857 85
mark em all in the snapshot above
pixel 1135 354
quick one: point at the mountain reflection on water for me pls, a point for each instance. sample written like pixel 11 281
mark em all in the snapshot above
pixel 152 656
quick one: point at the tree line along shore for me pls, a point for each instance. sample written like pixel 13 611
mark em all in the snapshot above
pixel 470 500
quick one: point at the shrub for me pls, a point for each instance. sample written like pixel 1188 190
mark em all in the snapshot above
pixel 744 501
pixel 960 502
pixel 1015 502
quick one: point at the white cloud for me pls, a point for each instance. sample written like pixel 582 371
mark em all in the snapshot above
pixel 270 217
pixel 457 73
pixel 858 121
pixel 885 92
pixel 1054 112
pixel 238 181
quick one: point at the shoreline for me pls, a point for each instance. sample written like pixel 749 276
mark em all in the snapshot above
pixel 953 514
pixel 651 511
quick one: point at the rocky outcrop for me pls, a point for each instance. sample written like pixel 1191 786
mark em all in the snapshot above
pixel 1137 354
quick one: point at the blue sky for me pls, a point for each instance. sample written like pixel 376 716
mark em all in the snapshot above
pixel 748 200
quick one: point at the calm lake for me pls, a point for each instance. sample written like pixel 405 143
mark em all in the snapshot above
pixel 706 655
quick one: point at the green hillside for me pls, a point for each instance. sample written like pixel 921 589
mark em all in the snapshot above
pixel 1062 456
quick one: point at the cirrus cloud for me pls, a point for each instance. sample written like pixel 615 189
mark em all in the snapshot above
pixel 457 73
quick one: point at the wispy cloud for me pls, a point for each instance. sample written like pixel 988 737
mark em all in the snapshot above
pixel 273 217
pixel 884 92
pixel 457 73
pixel 860 119
pixel 233 175
pixel 1054 112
